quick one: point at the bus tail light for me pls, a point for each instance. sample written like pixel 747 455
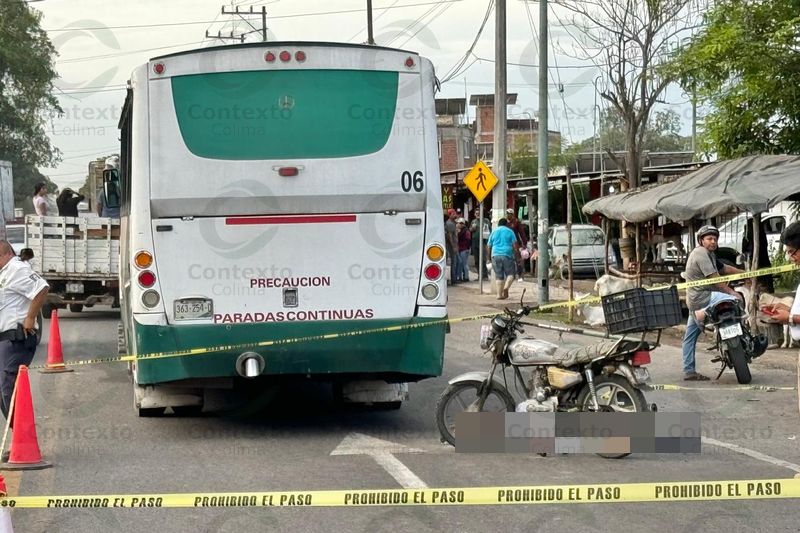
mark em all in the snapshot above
pixel 147 279
pixel 285 56
pixel 143 259
pixel 269 57
pixel 288 171
pixel 430 291
pixel 433 272
pixel 435 252
pixel 300 56
pixel 150 298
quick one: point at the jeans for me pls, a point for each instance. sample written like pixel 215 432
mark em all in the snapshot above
pixel 463 266
pixel 693 330
pixel 504 267
pixel 12 355
pixel 454 259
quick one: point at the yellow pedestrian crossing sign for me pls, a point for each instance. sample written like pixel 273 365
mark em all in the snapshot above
pixel 480 180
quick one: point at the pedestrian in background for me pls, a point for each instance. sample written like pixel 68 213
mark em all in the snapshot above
pixel 39 201
pixel 502 243
pixel 476 228
pixel 22 294
pixel 67 203
pixel 516 226
pixel 451 243
pixel 464 245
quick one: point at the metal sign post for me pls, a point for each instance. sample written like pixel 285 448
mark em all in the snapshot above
pixel 480 181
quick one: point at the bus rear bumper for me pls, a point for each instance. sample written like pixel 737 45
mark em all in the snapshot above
pixel 400 350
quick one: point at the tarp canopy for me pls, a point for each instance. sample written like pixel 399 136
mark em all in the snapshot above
pixel 753 184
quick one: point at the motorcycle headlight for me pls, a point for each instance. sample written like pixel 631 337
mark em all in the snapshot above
pixel 499 324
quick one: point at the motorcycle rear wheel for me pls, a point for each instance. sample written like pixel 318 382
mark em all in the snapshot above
pixel 738 360
pixel 458 397
pixel 614 394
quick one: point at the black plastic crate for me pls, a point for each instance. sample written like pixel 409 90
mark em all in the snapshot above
pixel 641 310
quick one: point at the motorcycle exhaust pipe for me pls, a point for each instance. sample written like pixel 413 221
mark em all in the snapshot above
pixel 249 365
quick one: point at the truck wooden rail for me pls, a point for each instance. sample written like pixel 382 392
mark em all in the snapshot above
pixel 79 258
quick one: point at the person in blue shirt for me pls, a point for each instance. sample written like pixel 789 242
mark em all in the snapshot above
pixel 502 243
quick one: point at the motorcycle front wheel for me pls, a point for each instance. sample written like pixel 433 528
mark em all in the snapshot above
pixel 464 396
pixel 614 394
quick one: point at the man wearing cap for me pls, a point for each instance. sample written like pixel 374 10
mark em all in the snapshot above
pixel 451 242
pixel 22 293
pixel 702 264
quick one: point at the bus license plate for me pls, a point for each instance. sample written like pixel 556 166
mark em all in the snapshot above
pixel 191 309
pixel 730 332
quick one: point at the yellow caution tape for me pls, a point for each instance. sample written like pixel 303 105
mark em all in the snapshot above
pixel 389 329
pixel 721 388
pixel 757 489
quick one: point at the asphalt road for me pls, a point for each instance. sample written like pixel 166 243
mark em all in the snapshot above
pixel 88 428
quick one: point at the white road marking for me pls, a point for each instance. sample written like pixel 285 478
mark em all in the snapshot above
pixel 381 451
pixel 752 453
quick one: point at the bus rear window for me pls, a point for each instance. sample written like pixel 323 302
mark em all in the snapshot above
pixel 290 114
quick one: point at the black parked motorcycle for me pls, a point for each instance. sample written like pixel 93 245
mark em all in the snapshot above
pixel 736 344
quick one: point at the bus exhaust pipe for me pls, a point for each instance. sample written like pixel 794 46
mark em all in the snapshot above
pixel 249 365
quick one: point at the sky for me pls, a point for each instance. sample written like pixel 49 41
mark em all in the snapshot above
pixel 97 53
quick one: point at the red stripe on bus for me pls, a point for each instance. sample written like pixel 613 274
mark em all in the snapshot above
pixel 305 219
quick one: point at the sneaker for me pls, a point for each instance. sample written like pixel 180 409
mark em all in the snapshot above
pixel 694 376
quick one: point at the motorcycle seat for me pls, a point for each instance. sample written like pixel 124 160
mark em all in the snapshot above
pixel 528 351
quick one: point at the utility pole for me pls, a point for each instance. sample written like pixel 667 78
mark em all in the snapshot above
pixel 370 36
pixel 694 122
pixel 241 13
pixel 499 195
pixel 544 253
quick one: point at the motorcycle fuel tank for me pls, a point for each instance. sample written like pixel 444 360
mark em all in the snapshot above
pixel 532 352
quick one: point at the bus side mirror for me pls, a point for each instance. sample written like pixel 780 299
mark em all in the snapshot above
pixel 111 188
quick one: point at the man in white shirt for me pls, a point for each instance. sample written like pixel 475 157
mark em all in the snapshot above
pixel 22 293
pixel 780 312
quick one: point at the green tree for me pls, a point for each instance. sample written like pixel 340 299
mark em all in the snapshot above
pixel 26 97
pixel 631 42
pixel 745 66
pixel 26 176
pixel 661 135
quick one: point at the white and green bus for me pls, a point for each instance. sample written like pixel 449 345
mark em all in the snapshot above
pixel 275 191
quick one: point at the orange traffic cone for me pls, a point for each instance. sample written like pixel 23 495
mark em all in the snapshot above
pixel 55 357
pixel 24 453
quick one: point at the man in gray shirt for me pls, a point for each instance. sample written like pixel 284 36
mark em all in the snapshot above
pixel 702 264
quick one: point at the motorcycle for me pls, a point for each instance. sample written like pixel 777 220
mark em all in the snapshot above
pixel 604 377
pixel 736 344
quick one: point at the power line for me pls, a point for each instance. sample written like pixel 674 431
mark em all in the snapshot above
pixel 414 23
pixel 531 65
pixel 455 69
pixel 439 14
pixel 295 15
pixel 108 56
